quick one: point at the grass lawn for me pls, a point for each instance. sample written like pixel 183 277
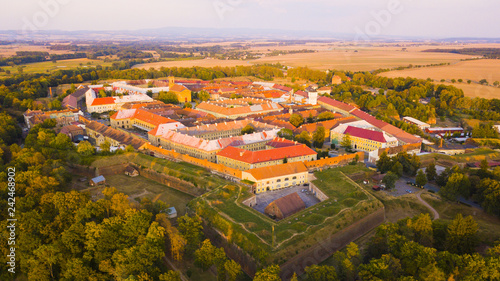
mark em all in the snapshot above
pixel 49 66
pixel 137 185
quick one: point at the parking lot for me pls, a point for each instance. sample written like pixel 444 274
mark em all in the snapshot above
pixel 402 188
pixel 266 198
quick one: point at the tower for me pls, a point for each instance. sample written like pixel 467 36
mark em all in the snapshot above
pixel 171 81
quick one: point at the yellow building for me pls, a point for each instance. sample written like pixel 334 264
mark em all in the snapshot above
pixel 363 139
pixel 141 119
pixel 277 177
pixel 183 93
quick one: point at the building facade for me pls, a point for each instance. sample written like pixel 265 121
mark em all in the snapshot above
pixel 276 177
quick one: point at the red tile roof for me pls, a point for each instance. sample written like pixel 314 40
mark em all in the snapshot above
pixel 281 142
pixel 336 103
pixel 103 101
pixel 365 134
pixel 253 157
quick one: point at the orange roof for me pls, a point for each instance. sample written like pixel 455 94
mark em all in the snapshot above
pixel 253 157
pixel 310 128
pixel 103 101
pixel 277 170
pixel 177 88
pixel 145 116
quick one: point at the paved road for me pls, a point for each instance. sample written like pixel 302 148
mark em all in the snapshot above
pixel 436 214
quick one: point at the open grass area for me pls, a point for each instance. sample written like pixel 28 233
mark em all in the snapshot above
pixel 489 225
pixel 201 177
pixel 143 187
pixel 49 66
pixel 253 231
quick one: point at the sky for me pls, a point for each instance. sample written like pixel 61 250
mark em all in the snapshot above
pixel 416 18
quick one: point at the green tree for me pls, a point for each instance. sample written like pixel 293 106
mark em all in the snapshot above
pixel 188 105
pixel 271 273
pixel 248 129
pixel 191 229
pixel 327 115
pixel 421 178
pixel 384 163
pixel 286 133
pixel 171 276
pixel 106 146
pixel 129 148
pixel 431 172
pixel 85 148
pixel 390 180
pixel 422 230
pixel 346 141
pixel 321 273
pixel 397 169
pixel 304 138
pixel 203 96
pixel 205 255
pixel 319 137
pixel 168 97
pixel 232 269
pixel 296 120
pixel 462 235
pixel 386 268
pixel 458 184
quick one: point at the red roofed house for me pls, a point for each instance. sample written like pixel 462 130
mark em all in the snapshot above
pixel 243 159
pixel 336 105
pixel 363 139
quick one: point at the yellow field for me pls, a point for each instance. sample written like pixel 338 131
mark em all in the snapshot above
pixel 329 56
pixel 10 50
pixel 474 70
pixel 49 66
pixel 191 63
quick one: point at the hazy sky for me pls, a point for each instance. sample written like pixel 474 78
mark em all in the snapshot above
pixel 427 18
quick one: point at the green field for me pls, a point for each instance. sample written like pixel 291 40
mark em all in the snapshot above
pixel 200 177
pixel 49 66
pixel 253 231
pixel 150 189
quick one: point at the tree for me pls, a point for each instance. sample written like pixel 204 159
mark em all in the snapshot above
pixel 304 138
pixel 203 96
pixel 390 180
pixel 496 83
pixel 458 184
pixel 483 82
pixel 271 273
pixel 286 133
pixel 431 172
pixel 462 235
pixel 421 178
pixel 319 137
pixel 489 190
pixel 188 105
pixel 129 148
pixel 205 255
pixel 327 115
pixel 296 120
pixel 168 97
pixel 422 231
pixel 106 146
pixel 384 163
pixel 190 228
pixel 346 141
pixel 84 148
pixel 397 169
pixel 321 273
pixel 171 276
pixel 386 268
pixel 232 269
pixel 248 129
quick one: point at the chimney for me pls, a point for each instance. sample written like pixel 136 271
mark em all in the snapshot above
pixel 241 153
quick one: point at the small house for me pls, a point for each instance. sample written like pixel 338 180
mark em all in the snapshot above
pixel 100 180
pixel 131 171
pixel 171 212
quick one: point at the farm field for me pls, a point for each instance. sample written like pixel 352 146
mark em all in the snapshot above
pixel 10 50
pixel 191 63
pixel 49 66
pixel 477 90
pixel 474 70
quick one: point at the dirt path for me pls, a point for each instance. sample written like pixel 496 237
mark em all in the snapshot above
pixel 132 197
pixel 171 264
pixel 436 214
